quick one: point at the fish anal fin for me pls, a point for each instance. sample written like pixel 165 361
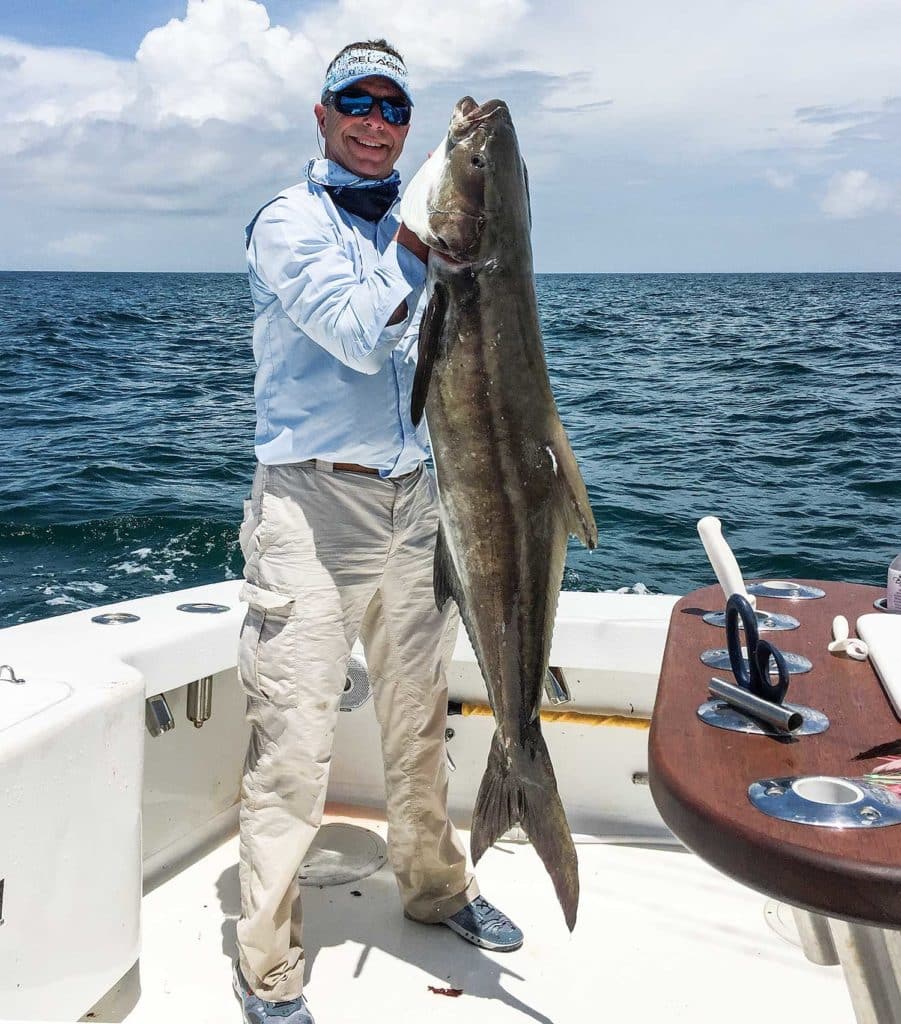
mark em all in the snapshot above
pixel 429 343
pixel 444 575
pixel 574 496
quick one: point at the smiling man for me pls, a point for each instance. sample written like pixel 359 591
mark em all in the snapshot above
pixel 338 537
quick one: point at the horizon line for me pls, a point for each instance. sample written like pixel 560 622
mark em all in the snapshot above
pixel 538 273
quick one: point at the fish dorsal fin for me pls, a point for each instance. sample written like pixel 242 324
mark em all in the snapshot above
pixel 444 574
pixel 576 507
pixel 429 342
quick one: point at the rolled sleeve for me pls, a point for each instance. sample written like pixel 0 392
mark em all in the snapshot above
pixel 317 285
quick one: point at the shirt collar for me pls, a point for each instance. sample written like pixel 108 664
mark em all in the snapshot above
pixel 325 172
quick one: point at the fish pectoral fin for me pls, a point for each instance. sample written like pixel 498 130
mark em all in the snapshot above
pixel 444 574
pixel 429 342
pixel 577 508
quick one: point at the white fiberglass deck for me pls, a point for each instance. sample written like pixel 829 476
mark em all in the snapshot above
pixel 660 937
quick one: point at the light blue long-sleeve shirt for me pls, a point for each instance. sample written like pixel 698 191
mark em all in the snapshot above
pixel 333 381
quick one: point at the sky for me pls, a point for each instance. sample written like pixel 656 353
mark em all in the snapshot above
pixel 704 136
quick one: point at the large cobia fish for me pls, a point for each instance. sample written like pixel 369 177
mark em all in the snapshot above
pixel 510 490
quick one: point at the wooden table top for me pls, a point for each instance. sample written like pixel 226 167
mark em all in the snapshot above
pixel 700 775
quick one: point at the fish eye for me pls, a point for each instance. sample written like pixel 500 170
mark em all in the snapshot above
pixel 477 161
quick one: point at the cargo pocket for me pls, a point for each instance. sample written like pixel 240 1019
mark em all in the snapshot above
pixel 248 525
pixel 267 652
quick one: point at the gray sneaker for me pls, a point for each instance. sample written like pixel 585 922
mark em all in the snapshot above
pixel 484 925
pixel 259 1011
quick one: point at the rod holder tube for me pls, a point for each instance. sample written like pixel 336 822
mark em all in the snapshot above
pixel 200 701
pixel 781 718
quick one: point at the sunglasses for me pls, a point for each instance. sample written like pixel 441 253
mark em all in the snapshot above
pixel 359 104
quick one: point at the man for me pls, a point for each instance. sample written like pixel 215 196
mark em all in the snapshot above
pixel 338 537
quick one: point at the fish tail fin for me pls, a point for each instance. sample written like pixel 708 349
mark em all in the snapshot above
pixel 524 792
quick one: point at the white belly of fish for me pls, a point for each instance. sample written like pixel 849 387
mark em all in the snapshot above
pixel 419 195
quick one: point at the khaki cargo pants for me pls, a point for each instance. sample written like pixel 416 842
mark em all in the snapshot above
pixel 331 556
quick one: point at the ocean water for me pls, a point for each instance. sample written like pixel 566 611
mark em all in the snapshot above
pixel 771 401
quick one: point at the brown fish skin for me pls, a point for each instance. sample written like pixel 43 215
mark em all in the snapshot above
pixel 510 490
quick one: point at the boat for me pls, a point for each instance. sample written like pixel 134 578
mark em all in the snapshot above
pixel 122 737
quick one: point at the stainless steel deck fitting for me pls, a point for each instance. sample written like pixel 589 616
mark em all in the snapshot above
pixel 828 801
pixel 785 590
pixel 767 622
pixel 200 701
pixel 115 618
pixel 158 715
pixel 556 688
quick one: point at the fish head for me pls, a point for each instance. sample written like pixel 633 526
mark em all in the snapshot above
pixel 468 199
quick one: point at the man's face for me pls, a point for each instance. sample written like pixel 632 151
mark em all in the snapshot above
pixel 366 146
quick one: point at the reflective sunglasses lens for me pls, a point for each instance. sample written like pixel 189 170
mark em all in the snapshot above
pixel 359 104
pixel 395 113
pixel 352 106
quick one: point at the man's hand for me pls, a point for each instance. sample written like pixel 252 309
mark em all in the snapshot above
pixel 399 314
pixel 408 240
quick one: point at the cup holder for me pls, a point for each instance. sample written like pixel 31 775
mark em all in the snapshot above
pixel 827 801
pixel 786 590
pixel 822 789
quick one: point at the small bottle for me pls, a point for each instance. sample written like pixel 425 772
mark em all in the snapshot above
pixel 893 588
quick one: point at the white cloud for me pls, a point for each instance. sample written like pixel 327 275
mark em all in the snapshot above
pixel 215 110
pixel 225 61
pixel 855 194
pixel 779 179
pixel 434 37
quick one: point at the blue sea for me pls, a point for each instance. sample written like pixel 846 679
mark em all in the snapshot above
pixel 772 401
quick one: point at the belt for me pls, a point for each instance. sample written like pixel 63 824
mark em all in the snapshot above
pixel 352 467
pixel 344 467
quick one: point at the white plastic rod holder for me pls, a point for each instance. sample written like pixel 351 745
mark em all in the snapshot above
pixel 710 530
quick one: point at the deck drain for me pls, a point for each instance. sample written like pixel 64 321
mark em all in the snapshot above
pixel 342 853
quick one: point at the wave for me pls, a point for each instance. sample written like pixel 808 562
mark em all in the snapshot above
pixel 764 399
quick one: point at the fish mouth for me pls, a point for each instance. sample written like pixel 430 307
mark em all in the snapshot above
pixel 458 203
pixel 470 116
